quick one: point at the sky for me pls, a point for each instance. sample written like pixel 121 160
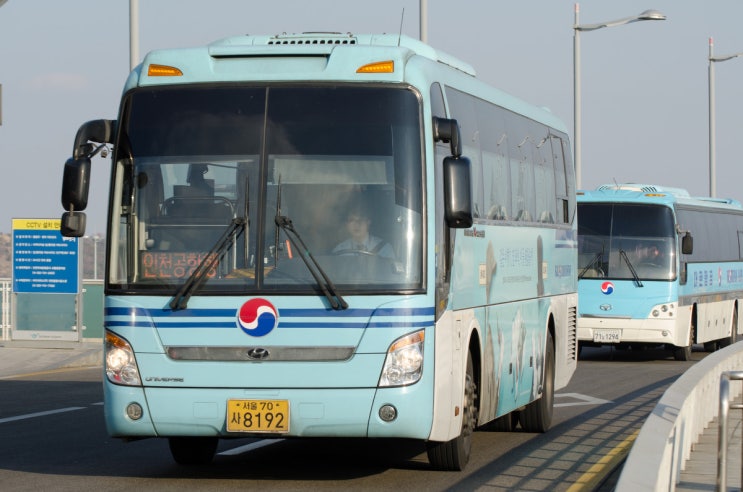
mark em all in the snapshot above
pixel 645 89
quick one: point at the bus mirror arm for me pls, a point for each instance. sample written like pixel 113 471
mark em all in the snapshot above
pixel 100 131
pixel 687 248
pixel 76 175
pixel 456 173
pixel 447 130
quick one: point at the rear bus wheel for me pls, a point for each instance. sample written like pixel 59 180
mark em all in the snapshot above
pixel 453 455
pixel 727 341
pixel 504 423
pixel 537 416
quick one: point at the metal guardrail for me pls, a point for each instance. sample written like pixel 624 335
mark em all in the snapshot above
pixel 5 326
pixel 722 435
pixel 663 446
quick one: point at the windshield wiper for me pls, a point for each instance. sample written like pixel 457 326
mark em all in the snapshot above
pixel 631 268
pixel 328 289
pixel 594 261
pixel 181 297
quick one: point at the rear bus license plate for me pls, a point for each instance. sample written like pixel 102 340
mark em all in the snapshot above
pixel 271 416
pixel 607 336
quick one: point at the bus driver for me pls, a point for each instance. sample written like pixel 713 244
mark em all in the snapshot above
pixel 360 241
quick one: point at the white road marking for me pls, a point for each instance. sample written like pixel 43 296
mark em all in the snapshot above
pixel 39 414
pixel 579 400
pixel 250 447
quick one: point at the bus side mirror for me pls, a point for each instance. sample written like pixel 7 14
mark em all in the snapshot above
pixel 75 188
pixel 687 244
pixel 75 184
pixel 72 224
pixel 457 194
pixel 457 190
pixel 76 176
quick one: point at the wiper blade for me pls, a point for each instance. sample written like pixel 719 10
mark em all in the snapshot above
pixel 181 297
pixel 595 260
pixel 631 268
pixel 328 289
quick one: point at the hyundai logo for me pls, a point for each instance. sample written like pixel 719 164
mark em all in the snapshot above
pixel 605 307
pixel 258 353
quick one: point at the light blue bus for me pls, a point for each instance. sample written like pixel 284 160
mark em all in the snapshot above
pixel 330 235
pixel 657 267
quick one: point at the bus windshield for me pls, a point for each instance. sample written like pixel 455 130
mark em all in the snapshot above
pixel 626 242
pixel 338 168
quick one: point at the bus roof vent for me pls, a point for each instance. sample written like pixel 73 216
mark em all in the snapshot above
pixel 724 201
pixel 644 188
pixel 312 38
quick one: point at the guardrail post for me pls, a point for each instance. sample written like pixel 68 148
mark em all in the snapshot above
pixel 722 434
pixel 6 325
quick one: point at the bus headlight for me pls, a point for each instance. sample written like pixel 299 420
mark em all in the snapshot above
pixel 121 366
pixel 404 362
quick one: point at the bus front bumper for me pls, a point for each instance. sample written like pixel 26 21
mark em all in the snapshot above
pixel 607 331
pixel 173 411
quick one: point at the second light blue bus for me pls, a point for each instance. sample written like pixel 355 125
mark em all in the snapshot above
pixel 658 267
pixel 330 235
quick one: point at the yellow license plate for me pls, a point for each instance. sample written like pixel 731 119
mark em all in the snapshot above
pixel 271 416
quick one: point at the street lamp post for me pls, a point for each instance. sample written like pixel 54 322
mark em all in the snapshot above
pixel 133 33
pixel 423 19
pixel 577 28
pixel 2 2
pixel 712 163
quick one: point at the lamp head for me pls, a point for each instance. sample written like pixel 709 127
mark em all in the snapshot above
pixel 651 15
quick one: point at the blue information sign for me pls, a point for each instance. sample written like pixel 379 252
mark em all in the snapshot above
pixel 43 260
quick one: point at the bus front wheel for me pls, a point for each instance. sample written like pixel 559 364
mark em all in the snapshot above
pixel 193 450
pixel 684 353
pixel 453 455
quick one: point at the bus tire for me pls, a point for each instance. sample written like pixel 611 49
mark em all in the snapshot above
pixel 733 331
pixel 504 423
pixel 537 416
pixel 684 353
pixel 193 450
pixel 453 455
pixel 712 346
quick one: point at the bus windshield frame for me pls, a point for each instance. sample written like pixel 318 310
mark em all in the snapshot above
pixel 626 241
pixel 327 159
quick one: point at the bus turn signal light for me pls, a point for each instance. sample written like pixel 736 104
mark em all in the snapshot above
pixel 377 67
pixel 163 71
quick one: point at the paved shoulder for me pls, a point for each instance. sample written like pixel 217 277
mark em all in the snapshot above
pixel 17 358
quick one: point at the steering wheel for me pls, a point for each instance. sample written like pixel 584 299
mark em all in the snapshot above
pixel 351 252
